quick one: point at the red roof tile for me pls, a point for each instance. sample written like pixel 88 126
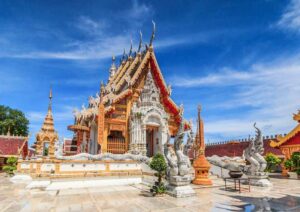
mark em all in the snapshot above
pixel 9 145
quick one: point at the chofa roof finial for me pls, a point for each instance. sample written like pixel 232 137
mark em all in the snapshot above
pixel 124 55
pixel 130 51
pixel 153 33
pixel 141 42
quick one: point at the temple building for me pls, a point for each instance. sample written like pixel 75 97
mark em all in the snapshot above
pixel 12 146
pixel 134 111
pixel 290 142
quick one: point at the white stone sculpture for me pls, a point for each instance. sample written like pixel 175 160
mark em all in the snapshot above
pixel 179 167
pixel 253 154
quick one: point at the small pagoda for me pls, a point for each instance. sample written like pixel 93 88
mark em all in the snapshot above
pixel 201 165
pixel 47 136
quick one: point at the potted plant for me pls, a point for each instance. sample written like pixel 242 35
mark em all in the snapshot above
pixel 158 164
pixel 11 166
pixel 272 162
pixel 289 165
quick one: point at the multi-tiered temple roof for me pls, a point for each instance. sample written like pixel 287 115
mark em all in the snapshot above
pixel 126 78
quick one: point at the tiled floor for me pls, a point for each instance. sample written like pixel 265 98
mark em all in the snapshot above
pixel 285 195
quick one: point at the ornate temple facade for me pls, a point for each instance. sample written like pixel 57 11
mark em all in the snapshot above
pixel 132 113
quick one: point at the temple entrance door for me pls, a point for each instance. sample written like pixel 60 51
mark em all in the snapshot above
pixel 149 142
pixel 150 139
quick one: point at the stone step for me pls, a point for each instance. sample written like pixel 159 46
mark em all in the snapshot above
pixel 60 184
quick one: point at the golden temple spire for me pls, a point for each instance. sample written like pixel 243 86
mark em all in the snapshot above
pixel 200 132
pixel 201 165
pixel 47 132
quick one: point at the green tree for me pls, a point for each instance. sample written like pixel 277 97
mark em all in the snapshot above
pixel 288 164
pixel 14 121
pixel 296 160
pixel 158 164
pixel 11 165
pixel 272 161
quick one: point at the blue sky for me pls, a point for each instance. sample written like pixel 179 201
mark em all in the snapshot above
pixel 239 59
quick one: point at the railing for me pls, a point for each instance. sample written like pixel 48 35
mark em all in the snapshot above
pixel 116 145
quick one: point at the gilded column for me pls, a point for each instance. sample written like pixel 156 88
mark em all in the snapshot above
pixel 101 116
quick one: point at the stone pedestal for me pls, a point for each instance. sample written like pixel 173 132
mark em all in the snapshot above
pixel 261 181
pixel 179 186
pixel 180 191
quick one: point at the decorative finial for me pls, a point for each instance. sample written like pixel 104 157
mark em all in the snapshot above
pixel 130 51
pixel 123 56
pixel 141 42
pixel 153 34
pixel 50 93
pixel 50 99
pixel 113 69
pixel 199 108
pixel 101 87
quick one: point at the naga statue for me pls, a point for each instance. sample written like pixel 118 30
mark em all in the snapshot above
pixel 179 164
pixel 179 167
pixel 253 154
pixel 190 142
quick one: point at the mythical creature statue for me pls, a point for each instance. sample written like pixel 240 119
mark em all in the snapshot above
pixel 172 169
pixel 92 102
pixel 253 154
pixel 77 115
pixel 190 142
pixel 58 149
pixel 178 163
pixel 83 146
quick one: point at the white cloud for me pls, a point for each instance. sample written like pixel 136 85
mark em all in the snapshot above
pixel 94 28
pixel 290 19
pixel 64 113
pixel 270 90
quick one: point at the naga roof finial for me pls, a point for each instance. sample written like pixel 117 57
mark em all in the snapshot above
pixel 130 51
pixel 124 55
pixel 141 42
pixel 153 33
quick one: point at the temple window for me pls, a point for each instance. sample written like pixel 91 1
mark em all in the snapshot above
pixel 116 142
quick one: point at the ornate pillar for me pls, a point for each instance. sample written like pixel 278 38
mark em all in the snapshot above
pixel 101 127
pixel 143 139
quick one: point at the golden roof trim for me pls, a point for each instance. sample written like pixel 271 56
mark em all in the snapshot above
pixel 282 139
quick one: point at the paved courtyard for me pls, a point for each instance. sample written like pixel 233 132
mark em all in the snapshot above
pixel 284 196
